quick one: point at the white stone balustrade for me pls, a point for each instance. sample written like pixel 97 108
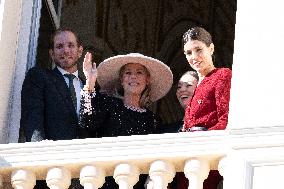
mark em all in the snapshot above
pixel 93 159
pixel 125 158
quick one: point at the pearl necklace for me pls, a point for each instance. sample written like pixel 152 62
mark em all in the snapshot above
pixel 140 110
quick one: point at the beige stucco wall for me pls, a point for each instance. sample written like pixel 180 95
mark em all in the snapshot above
pixel 11 16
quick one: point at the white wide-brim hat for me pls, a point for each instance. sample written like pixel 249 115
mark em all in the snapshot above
pixel 161 77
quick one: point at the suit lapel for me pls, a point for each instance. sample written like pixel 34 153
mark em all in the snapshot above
pixel 62 89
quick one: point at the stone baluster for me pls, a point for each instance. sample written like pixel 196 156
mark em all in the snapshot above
pixel 126 175
pixel 23 179
pixel 58 178
pixel 196 171
pixel 161 173
pixel 92 177
pixel 1 182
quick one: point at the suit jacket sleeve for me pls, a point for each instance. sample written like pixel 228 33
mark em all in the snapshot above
pixel 32 102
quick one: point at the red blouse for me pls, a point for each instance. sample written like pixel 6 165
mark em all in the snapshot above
pixel 209 105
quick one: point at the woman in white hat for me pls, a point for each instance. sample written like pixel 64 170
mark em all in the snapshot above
pixel 140 80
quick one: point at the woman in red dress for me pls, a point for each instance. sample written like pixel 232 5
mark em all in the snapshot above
pixel 209 106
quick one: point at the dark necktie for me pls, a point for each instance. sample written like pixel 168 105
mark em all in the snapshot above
pixel 72 89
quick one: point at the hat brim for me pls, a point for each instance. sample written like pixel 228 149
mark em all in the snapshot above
pixel 161 77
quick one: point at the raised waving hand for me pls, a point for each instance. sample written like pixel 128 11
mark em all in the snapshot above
pixel 90 71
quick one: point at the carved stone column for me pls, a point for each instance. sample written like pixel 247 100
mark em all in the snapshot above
pixel 58 178
pixel 161 173
pixel 23 179
pixel 196 171
pixel 126 175
pixel 92 177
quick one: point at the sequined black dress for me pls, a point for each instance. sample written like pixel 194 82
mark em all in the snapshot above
pixel 106 116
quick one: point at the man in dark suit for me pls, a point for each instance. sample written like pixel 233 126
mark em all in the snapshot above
pixel 50 99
